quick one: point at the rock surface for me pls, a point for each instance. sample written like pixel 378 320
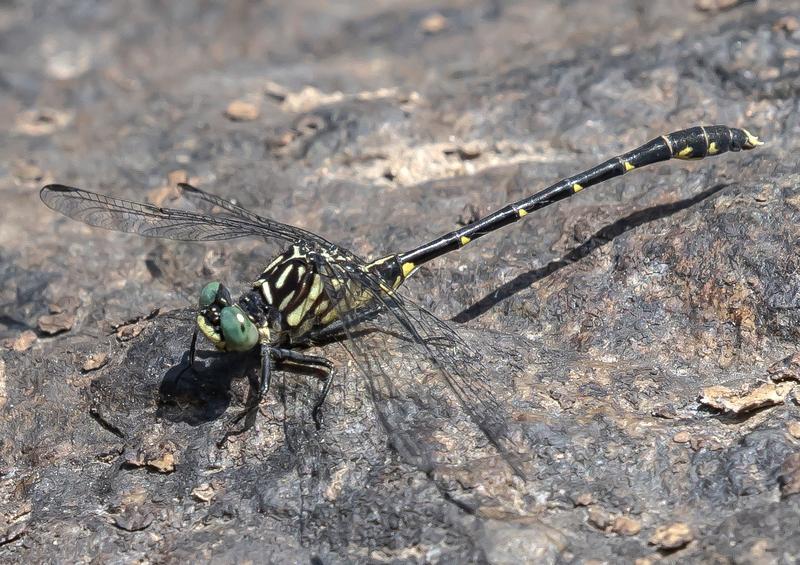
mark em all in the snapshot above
pixel 379 126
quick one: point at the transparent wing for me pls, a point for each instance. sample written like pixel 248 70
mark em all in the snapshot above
pixel 152 221
pixel 431 390
pixel 214 205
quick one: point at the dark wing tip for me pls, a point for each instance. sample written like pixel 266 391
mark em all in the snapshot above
pixel 50 189
pixel 58 188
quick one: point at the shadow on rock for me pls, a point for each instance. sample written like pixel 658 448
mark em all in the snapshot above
pixel 599 239
pixel 202 393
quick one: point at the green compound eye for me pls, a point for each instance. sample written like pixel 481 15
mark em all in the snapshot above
pixel 208 294
pixel 239 333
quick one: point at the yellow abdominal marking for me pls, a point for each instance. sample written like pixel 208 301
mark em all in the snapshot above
pixel 408 268
pixel 712 148
pixel 464 240
pixel 522 213
pixel 576 187
pixel 685 153
pixel 628 166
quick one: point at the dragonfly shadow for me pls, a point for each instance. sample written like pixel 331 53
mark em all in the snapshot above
pixel 202 393
pixel 597 240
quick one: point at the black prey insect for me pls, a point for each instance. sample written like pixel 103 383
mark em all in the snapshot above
pixel 316 292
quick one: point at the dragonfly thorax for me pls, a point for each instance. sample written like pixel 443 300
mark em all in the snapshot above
pixel 293 295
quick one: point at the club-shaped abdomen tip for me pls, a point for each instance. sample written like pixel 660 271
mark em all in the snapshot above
pixel 751 140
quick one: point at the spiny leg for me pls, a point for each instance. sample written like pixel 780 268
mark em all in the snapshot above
pixel 337 330
pixel 258 388
pixel 314 361
pixel 317 413
pixel 193 348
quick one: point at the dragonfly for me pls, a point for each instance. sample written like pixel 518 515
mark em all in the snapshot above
pixel 316 292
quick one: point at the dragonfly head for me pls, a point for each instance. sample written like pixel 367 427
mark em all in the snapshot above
pixel 224 323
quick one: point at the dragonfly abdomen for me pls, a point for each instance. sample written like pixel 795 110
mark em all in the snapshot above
pixel 693 143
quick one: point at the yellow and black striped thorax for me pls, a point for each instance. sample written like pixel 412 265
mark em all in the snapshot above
pixel 295 297
pixel 293 293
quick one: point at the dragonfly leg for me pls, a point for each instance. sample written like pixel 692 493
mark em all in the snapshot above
pixel 193 348
pixel 317 413
pixel 259 385
pixel 314 361
pixel 336 331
